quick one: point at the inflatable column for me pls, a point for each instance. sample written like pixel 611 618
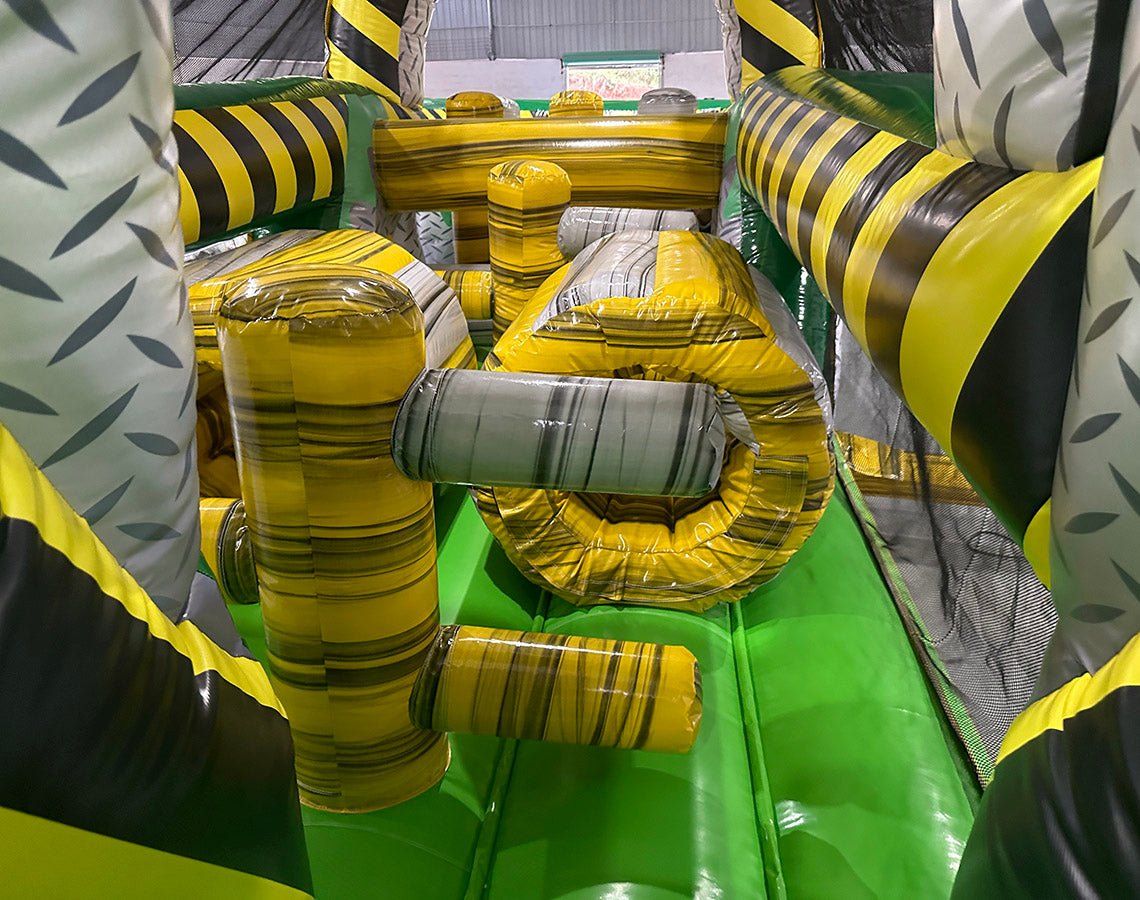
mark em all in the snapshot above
pixel 1061 816
pixel 526 199
pixel 315 365
pixel 470 225
pixel 138 756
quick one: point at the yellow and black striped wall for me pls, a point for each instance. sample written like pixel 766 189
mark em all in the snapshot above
pixel 129 739
pixel 962 281
pixel 775 34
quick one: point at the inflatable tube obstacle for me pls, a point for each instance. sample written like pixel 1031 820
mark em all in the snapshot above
pixel 582 225
pixel 560 432
pixel 672 306
pixel 565 689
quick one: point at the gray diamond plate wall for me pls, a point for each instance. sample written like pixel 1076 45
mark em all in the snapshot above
pixel 97 375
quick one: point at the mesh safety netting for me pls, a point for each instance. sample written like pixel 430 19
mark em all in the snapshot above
pixel 873 35
pixel 973 603
pixel 227 40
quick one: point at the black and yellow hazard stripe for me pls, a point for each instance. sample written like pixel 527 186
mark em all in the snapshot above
pixel 560 688
pixel 241 164
pixel 775 34
pixel 1060 817
pixel 670 306
pixel 956 277
pixel 317 361
pixel 525 202
pixel 363 39
pixel 665 162
pixel 396 110
pixel 449 344
pixel 131 727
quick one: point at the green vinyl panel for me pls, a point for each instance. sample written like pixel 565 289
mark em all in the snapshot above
pixel 871 797
pixel 589 823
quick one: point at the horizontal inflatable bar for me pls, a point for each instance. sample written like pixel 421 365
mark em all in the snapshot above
pixel 599 435
pixel 560 688
pixel 664 162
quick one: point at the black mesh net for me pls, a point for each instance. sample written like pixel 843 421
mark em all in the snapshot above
pixel 972 600
pixel 877 35
pixel 227 40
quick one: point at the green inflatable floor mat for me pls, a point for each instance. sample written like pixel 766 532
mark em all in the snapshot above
pixel 822 768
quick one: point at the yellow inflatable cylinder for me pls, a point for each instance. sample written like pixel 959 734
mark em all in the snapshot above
pixel 560 688
pixel 226 547
pixel 576 103
pixel 469 226
pixel 526 199
pixel 475 290
pixel 316 360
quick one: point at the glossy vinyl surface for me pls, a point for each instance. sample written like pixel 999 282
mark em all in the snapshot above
pixel 821 769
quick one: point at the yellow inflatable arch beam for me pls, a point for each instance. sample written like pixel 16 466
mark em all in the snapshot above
pixel 664 162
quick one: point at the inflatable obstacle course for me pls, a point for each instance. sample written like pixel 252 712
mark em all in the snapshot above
pixel 849 712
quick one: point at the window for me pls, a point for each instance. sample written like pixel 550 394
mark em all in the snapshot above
pixel 615 76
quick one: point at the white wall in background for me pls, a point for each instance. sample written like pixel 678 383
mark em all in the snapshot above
pixel 701 73
pixel 537 79
pixel 526 79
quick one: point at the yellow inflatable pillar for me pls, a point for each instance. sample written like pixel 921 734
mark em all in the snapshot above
pixel 470 225
pixel 526 199
pixel 560 688
pixel 316 361
pixel 576 103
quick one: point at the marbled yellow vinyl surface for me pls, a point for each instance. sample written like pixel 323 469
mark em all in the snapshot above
pixel 470 225
pixel 474 288
pixel 576 103
pixel 316 361
pixel 526 199
pixel 560 688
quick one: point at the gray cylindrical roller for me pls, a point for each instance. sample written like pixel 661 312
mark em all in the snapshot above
pixel 560 432
pixel 667 101
pixel 582 225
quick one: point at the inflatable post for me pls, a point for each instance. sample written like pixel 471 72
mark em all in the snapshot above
pixel 525 202
pixel 576 103
pixel 469 226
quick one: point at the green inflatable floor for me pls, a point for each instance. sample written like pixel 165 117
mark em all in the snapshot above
pixel 822 769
